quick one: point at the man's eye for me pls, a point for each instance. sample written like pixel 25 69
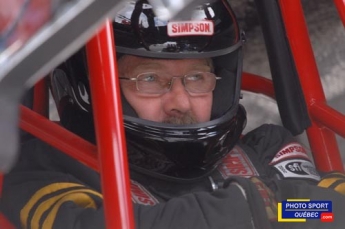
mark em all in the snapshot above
pixel 195 77
pixel 149 78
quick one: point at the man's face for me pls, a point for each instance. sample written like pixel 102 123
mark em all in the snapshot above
pixel 174 106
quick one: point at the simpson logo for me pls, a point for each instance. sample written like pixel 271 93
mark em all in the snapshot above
pixel 185 28
pixel 292 150
pixel 141 196
pixel 297 168
pixel 237 163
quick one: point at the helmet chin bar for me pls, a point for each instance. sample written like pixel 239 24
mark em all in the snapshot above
pixel 186 152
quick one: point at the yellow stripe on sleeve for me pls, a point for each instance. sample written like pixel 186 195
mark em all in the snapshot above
pixel 44 206
pixel 340 188
pixel 327 182
pixel 24 213
pixel 80 199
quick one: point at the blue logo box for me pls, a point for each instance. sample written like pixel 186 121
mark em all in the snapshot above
pixel 305 209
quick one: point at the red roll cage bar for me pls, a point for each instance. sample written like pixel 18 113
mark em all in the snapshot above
pixel 109 156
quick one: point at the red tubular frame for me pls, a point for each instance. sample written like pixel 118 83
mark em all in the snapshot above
pixel 257 84
pixel 1 181
pixel 109 125
pixel 322 113
pixel 59 137
pixel 110 130
pixel 321 138
pixel 4 223
pixel 41 98
pixel 340 4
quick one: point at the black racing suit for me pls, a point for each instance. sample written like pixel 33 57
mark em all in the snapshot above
pixel 48 189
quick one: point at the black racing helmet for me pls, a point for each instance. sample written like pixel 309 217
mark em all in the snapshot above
pixel 162 149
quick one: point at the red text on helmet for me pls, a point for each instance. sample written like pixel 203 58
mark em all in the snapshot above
pixel 188 28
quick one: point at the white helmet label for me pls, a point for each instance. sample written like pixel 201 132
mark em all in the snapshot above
pixel 190 28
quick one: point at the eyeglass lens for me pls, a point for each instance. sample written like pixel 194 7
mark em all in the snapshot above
pixel 156 83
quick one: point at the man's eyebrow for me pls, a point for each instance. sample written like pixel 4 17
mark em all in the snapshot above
pixel 204 66
pixel 147 65
pixel 201 67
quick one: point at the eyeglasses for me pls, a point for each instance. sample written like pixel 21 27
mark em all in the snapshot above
pixel 160 83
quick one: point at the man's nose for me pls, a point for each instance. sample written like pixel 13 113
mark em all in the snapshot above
pixel 176 101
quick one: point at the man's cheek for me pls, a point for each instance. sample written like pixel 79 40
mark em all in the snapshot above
pixel 152 111
pixel 202 108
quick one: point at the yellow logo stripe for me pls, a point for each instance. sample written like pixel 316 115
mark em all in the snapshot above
pixel 81 199
pixel 340 188
pixel 280 216
pixel 24 213
pixel 43 207
pixel 326 182
pixel 299 200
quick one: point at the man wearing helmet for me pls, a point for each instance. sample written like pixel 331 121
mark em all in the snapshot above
pixel 189 100
pixel 180 84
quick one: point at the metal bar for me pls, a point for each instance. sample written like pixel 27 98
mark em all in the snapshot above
pixel 59 137
pixel 4 223
pixel 297 33
pixel 325 159
pixel 322 141
pixel 340 5
pixel 41 98
pixel 257 84
pixel 55 42
pixel 331 118
pixel 289 95
pixel 109 127
pixel 1 181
